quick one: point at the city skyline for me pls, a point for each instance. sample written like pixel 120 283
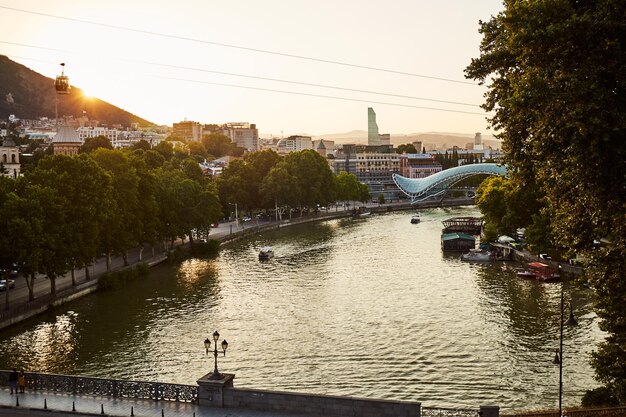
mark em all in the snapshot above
pixel 265 64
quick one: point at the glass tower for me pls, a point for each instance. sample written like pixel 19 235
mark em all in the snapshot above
pixel 373 138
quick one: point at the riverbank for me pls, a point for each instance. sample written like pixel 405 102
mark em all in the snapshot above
pixel 15 307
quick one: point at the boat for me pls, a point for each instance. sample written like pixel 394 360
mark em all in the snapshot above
pixel 540 272
pixel 415 219
pixel 365 213
pixel 477 255
pixel 266 253
pixel 526 274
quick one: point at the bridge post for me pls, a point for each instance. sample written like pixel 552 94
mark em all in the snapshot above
pixel 489 411
pixel 211 391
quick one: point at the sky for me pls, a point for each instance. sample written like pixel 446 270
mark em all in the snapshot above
pixel 256 61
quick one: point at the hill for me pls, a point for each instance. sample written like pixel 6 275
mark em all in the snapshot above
pixel 29 95
pixel 431 140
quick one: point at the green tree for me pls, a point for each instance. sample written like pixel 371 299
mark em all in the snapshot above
pixel 406 148
pixel 87 200
pixel 91 144
pixel 556 73
pixel 123 229
pixel 260 164
pixel 313 177
pixel 165 149
pixel 218 144
pixel 279 189
pixel 141 144
pixel 197 148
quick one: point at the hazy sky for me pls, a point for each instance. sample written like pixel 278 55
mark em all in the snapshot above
pixel 161 69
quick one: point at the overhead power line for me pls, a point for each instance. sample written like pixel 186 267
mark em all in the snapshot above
pixel 257 77
pixel 226 45
pixel 319 95
pixel 297 93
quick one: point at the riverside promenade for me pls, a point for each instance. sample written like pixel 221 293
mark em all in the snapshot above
pixel 56 404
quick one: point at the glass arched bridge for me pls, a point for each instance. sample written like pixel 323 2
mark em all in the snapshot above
pixel 420 189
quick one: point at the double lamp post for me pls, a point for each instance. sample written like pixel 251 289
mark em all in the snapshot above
pixel 207 345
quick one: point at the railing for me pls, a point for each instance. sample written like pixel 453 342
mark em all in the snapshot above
pixel 108 387
pixel 447 412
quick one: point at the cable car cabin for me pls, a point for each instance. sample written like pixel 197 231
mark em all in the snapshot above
pixel 62 84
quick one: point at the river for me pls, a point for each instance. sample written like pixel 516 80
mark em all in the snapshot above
pixel 367 308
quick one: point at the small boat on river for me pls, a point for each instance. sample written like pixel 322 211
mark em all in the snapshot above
pixel 477 255
pixel 266 253
pixel 415 219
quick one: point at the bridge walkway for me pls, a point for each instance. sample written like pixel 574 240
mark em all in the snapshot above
pixel 31 403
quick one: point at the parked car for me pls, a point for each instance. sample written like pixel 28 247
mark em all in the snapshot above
pixel 545 256
pixel 247 219
pixel 3 284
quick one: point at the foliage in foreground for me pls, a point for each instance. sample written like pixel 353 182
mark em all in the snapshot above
pixel 556 73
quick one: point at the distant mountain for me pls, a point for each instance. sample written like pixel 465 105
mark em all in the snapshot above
pixel 431 140
pixel 29 95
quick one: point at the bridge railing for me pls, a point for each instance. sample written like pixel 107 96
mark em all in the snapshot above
pixel 81 385
pixel 448 412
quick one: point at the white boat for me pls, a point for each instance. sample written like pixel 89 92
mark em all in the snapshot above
pixel 415 219
pixel 266 253
pixel 477 255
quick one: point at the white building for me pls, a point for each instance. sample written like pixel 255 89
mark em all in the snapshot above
pixel 244 135
pixel 92 132
pixel 10 159
pixel 294 144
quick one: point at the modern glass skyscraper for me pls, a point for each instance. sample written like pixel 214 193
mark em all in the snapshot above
pixel 373 137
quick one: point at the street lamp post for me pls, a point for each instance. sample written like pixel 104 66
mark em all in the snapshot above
pixel 558 357
pixel 207 345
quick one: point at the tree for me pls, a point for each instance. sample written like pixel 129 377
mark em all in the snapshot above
pixel 141 144
pixel 218 144
pixel 123 228
pixel 314 177
pixel 197 148
pixel 556 74
pixel 406 148
pixel 279 188
pixel 87 202
pixel 91 144
pixel 165 149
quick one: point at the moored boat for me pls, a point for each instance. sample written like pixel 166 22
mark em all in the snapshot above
pixel 415 219
pixel 477 255
pixel 266 253
pixel 526 274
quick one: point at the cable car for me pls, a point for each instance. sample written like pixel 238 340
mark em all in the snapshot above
pixel 62 82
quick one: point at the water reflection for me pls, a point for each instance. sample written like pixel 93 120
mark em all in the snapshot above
pixel 366 308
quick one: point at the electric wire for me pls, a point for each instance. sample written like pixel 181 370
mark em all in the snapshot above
pixel 226 45
pixel 256 77
pixel 304 94
pixel 320 95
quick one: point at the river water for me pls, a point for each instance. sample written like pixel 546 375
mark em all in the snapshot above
pixel 367 308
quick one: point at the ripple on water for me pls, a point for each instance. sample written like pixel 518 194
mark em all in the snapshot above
pixel 369 308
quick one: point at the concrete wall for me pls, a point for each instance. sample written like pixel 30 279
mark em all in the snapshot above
pixel 325 405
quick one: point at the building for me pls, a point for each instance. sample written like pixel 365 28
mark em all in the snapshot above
pixel 329 146
pixel 9 159
pixel 66 141
pixel 372 165
pixel 187 130
pixel 92 132
pixel 419 165
pixel 244 135
pixel 294 144
pixel 373 137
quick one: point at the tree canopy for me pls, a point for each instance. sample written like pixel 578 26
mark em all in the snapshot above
pixel 556 77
